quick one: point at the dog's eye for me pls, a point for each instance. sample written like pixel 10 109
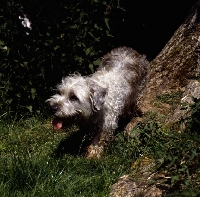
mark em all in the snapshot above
pixel 73 97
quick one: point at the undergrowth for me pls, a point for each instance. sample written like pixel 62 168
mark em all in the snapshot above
pixel 176 154
pixel 29 166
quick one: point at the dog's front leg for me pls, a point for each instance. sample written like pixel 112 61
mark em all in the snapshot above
pixel 98 144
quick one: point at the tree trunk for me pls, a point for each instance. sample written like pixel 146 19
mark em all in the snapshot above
pixel 174 69
pixel 179 61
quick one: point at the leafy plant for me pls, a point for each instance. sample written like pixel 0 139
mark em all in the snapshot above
pixel 66 36
pixel 176 154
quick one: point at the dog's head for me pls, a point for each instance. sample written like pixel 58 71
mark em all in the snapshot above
pixel 77 99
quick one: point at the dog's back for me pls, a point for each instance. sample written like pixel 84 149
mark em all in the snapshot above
pixel 123 71
pixel 124 58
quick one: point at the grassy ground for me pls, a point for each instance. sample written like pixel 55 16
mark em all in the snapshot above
pixel 29 165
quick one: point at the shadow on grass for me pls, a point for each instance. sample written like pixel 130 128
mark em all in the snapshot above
pixel 75 144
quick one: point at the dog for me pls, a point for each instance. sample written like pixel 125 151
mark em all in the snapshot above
pixel 99 101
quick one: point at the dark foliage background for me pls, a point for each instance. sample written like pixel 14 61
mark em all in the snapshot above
pixel 69 36
pixel 66 36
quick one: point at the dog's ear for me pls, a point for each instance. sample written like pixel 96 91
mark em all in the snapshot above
pixel 97 95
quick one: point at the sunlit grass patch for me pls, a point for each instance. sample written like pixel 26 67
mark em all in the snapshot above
pixel 28 166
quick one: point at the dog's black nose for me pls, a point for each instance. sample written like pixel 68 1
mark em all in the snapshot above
pixel 54 109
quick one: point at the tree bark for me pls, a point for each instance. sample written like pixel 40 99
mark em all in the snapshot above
pixel 176 66
pixel 179 61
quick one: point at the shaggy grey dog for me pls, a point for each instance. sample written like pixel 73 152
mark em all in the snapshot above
pixel 97 102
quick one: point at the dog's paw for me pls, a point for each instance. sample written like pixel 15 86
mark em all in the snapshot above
pixel 94 151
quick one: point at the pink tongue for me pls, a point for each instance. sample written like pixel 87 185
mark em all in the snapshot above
pixel 57 124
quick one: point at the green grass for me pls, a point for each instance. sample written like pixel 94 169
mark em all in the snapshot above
pixel 172 99
pixel 29 166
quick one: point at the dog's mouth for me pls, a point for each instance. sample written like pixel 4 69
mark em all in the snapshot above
pixel 57 123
